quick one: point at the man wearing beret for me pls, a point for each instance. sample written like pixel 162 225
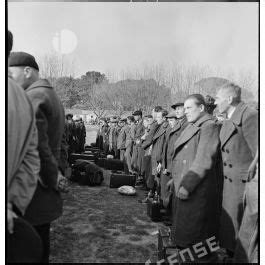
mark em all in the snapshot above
pixel 23 163
pixel 46 205
pixel 239 144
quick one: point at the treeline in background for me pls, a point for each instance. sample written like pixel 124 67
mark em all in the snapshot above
pixel 141 87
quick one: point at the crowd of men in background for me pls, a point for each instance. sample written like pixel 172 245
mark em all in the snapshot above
pixel 204 168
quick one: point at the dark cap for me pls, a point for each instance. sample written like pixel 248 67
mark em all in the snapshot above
pixel 22 59
pixel 171 115
pixel 137 112
pixel 177 105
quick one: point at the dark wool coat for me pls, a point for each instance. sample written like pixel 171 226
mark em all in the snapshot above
pixel 171 137
pixel 138 152
pixel 239 142
pixel 102 137
pixel 46 204
pixel 122 137
pixel 149 138
pixel 157 146
pixel 194 167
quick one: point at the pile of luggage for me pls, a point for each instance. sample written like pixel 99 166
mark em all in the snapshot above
pixel 87 169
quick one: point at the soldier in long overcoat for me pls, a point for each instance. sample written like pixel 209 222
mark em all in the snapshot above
pixel 195 177
pixel 157 145
pixel 138 152
pixel 239 142
pixel 171 137
pixel 129 142
pixel 122 139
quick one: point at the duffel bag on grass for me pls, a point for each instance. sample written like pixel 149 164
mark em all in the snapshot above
pixel 87 173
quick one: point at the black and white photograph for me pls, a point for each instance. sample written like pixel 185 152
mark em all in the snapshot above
pixel 132 132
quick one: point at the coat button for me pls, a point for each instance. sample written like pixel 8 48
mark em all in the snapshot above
pixel 230 165
pixel 230 180
pixel 186 146
pixel 227 151
pixel 225 164
pixel 225 177
pixel 184 161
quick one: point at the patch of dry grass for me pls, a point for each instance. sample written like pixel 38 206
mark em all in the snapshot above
pixel 100 225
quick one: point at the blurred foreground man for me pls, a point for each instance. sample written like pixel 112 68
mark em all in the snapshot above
pixel 46 204
pixel 23 158
pixel 239 142
pixel 195 181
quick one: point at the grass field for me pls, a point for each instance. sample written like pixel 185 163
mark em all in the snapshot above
pixel 100 225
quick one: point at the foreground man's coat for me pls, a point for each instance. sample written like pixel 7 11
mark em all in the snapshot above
pixel 23 158
pixel 46 204
pixel 194 168
pixel 239 142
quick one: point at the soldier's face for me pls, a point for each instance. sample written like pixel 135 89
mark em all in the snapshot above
pixel 145 123
pixel 172 122
pixel 137 117
pixel 180 112
pixel 192 110
pixel 222 101
pixel 150 120
pixel 159 117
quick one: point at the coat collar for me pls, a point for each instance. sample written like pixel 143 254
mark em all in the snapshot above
pixel 229 126
pixel 179 125
pixel 39 83
pixel 161 130
pixel 191 130
pixel 237 115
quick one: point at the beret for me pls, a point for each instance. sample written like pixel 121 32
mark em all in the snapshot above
pixel 172 114
pixel 137 112
pixel 22 59
pixel 177 105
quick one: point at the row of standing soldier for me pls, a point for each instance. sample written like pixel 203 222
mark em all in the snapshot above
pixel 200 165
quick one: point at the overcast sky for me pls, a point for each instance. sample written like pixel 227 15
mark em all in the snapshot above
pixel 115 36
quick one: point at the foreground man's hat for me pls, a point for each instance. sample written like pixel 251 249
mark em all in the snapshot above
pixel 177 105
pixel 137 112
pixel 171 115
pixel 22 59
